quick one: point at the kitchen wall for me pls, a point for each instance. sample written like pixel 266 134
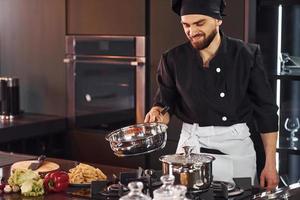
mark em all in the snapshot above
pixel 32 49
pixel 32 45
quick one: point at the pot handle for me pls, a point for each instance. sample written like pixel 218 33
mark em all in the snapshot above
pixel 164 110
pixel 188 150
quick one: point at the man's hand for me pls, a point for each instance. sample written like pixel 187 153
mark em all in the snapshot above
pixel 269 177
pixel 154 115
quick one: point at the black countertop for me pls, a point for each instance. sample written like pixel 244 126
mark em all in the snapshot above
pixel 30 125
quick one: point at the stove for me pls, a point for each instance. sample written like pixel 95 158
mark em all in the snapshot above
pixel 117 187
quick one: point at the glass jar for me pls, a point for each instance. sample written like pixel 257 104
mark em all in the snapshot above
pixel 135 192
pixel 169 191
pixel 180 191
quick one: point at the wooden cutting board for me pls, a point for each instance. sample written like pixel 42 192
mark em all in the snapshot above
pixel 45 168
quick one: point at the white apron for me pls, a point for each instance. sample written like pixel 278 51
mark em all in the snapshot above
pixel 234 141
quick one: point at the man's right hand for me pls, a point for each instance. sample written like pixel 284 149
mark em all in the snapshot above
pixel 154 115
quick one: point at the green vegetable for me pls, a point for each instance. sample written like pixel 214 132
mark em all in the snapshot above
pixel 29 181
pixel 27 186
pixel 32 188
pixel 20 176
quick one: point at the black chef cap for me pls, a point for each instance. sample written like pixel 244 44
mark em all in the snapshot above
pixel 212 8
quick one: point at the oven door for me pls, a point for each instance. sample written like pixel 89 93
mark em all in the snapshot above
pixel 105 93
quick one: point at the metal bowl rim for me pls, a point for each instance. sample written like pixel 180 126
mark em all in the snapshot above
pixel 109 135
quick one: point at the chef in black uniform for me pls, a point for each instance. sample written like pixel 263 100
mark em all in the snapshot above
pixel 218 87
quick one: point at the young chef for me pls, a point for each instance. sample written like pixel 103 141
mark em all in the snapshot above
pixel 218 87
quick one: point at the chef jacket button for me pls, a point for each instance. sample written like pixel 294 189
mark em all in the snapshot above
pixel 224 118
pixel 222 94
pixel 218 69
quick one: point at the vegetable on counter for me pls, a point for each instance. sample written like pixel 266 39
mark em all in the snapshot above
pixel 28 181
pixel 2 184
pixel 7 189
pixel 19 176
pixel 56 181
pixel 32 188
pixel 15 188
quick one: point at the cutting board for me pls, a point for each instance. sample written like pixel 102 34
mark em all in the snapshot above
pixel 45 168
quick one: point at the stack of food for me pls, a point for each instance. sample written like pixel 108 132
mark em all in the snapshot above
pixel 85 174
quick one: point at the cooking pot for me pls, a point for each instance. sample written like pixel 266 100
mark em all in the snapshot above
pixel 192 170
pixel 138 139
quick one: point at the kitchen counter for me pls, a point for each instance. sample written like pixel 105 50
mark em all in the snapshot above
pixel 64 165
pixel 110 171
pixel 30 125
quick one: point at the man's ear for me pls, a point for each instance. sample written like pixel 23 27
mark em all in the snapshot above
pixel 219 22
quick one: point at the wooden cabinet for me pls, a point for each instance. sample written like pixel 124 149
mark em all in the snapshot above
pixel 113 17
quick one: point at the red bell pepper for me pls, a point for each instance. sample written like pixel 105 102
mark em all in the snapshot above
pixel 56 181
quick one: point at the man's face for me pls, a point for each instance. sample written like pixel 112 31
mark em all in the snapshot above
pixel 200 29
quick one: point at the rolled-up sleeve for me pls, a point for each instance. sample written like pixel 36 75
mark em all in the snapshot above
pixel 166 93
pixel 262 97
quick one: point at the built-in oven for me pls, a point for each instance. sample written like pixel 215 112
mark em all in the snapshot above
pixel 105 80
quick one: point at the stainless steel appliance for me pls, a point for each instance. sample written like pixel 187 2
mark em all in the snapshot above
pixel 192 170
pixel 106 80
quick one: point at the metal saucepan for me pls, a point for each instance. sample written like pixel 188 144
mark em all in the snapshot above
pixel 192 170
pixel 139 138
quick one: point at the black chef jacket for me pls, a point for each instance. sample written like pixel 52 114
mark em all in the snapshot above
pixel 233 89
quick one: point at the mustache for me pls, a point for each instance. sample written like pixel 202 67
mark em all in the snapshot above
pixel 197 35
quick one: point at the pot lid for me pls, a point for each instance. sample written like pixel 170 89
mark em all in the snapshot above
pixel 187 158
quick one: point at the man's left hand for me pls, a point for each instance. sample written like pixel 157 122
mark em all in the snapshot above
pixel 269 178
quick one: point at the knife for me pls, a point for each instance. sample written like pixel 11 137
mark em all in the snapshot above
pixel 37 163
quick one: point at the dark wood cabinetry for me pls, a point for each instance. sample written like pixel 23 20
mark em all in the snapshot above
pixel 106 17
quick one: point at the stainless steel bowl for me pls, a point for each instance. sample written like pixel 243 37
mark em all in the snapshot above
pixel 138 139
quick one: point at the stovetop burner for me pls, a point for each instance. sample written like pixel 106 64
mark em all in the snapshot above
pixel 217 185
pixel 226 189
pixel 116 187
pixel 114 190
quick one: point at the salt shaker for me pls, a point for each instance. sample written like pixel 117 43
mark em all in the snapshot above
pixel 135 192
pixel 180 191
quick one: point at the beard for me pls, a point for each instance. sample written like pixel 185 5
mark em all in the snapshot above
pixel 200 43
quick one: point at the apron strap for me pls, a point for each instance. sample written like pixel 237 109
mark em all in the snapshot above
pixel 211 151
